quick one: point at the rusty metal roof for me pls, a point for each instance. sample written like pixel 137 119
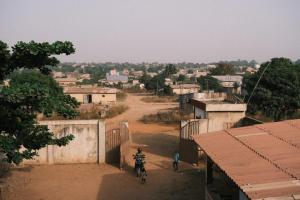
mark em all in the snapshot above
pixel 263 160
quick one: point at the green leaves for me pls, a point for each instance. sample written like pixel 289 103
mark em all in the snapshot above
pixel 31 92
pixel 278 93
pixel 210 83
pixel 223 69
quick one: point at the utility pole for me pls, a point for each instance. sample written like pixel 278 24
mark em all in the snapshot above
pixel 157 87
pixel 207 86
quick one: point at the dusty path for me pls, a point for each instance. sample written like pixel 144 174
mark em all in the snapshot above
pixel 104 182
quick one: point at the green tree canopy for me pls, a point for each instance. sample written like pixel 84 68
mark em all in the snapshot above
pixel 169 70
pixel 210 83
pixel 278 92
pixel 223 69
pixel 31 92
pixel 181 77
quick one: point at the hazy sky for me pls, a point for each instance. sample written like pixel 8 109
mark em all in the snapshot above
pixel 158 30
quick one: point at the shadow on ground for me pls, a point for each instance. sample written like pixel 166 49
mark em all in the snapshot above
pixel 161 184
pixel 160 143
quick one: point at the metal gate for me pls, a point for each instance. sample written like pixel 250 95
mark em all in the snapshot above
pixel 188 149
pixel 117 144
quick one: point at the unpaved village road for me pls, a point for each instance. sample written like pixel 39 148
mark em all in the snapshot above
pixel 105 182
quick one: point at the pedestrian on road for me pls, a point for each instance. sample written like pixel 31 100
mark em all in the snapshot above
pixel 176 161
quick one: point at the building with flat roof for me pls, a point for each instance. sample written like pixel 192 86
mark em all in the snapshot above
pixel 254 162
pixel 111 79
pixel 231 83
pixel 221 114
pixel 66 81
pixel 92 94
pixel 185 88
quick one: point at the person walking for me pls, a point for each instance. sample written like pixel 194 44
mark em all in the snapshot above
pixel 176 161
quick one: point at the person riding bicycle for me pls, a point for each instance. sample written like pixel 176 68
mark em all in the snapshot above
pixel 139 159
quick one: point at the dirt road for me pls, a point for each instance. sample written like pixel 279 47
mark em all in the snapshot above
pixel 104 182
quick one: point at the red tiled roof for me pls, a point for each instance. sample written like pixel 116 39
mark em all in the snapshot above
pixel 263 160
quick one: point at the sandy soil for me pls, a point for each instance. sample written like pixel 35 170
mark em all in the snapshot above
pixel 105 182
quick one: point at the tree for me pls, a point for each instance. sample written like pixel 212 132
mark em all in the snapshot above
pixel 170 69
pixel 278 92
pixel 223 69
pixel 30 93
pixel 210 83
pixel 190 71
pixel 181 77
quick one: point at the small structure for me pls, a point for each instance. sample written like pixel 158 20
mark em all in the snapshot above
pixel 210 115
pixel 114 79
pixel 92 94
pixel 66 81
pixel 253 162
pixel 222 114
pixel 231 84
pixel 137 74
pixel 185 88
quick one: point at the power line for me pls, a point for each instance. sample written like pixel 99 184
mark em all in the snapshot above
pixel 258 82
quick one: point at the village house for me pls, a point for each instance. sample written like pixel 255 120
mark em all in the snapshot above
pixel 94 95
pixel 115 79
pixel 198 73
pixel 185 88
pixel 220 113
pixel 66 81
pixel 125 72
pixel 212 112
pixel 137 74
pixel 253 162
pixel 231 83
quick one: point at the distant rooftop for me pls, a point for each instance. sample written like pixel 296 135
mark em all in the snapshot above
pixel 230 78
pixel 115 78
pixel 90 90
pixel 184 86
pixel 263 160
pixel 66 79
pixel 215 105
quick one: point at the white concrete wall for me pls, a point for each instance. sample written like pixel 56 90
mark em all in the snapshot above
pixel 185 90
pixel 88 145
pixel 96 98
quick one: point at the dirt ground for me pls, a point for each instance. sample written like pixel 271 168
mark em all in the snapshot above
pixel 105 182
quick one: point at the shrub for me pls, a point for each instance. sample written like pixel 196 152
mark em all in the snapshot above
pixel 116 110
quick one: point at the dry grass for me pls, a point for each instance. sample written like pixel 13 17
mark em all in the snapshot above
pixel 94 112
pixel 167 117
pixel 116 110
pixel 157 99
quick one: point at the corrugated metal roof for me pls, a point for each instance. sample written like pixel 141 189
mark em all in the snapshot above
pixel 115 78
pixel 263 160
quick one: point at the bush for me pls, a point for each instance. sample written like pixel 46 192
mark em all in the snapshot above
pixel 116 110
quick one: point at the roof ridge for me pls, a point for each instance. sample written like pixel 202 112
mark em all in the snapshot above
pixel 277 137
pixel 260 155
